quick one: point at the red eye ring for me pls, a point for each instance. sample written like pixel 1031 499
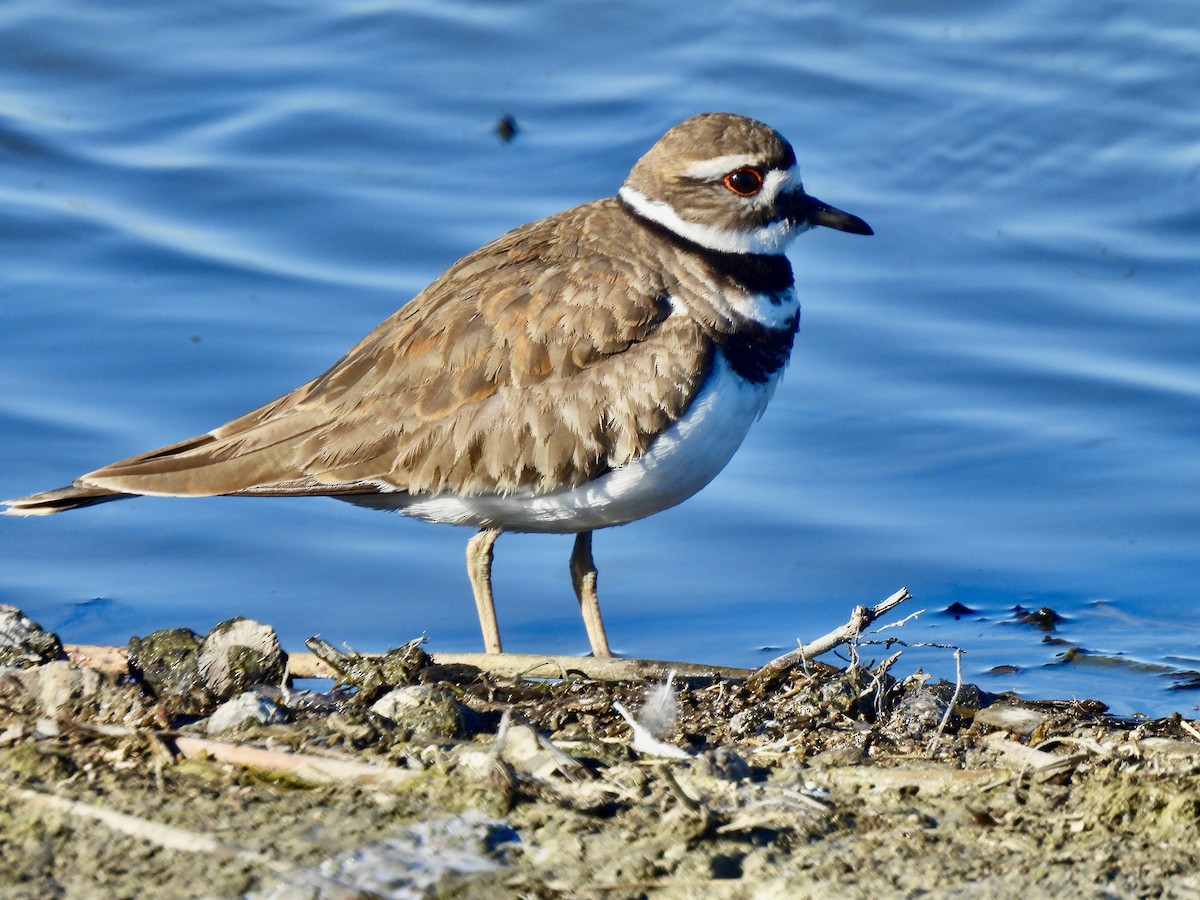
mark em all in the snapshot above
pixel 744 182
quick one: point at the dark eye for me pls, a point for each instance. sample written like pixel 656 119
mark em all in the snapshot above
pixel 744 182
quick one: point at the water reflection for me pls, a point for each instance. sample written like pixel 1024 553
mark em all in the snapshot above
pixel 994 404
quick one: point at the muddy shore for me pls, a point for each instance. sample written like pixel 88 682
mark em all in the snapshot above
pixel 185 766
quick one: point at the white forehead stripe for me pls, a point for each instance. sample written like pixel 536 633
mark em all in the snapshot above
pixel 769 238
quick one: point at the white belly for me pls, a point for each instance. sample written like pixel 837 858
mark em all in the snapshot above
pixel 679 462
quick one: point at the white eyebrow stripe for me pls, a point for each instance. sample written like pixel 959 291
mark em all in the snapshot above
pixel 721 165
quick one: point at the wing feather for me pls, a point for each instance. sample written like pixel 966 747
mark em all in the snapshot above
pixel 491 381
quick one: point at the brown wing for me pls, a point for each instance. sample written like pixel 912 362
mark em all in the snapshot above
pixel 529 365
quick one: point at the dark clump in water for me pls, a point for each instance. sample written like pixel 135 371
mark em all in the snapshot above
pixel 506 129
pixel 1185 681
pixel 1044 619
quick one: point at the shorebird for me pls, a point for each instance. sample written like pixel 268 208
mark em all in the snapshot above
pixel 579 372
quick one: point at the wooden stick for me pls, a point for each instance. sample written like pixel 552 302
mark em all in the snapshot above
pixel 160 834
pixel 860 618
pixel 534 665
pixel 112 661
pixel 322 769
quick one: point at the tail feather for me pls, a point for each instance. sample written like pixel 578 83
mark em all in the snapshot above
pixel 61 499
pixel 260 454
pixel 203 466
pixel 261 462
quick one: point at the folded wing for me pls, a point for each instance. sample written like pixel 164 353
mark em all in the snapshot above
pixel 488 382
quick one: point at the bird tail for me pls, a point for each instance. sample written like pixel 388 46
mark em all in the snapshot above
pixel 61 499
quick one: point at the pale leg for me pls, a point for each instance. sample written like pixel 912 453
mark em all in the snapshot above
pixel 583 577
pixel 479 570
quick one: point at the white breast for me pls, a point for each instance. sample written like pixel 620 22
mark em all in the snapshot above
pixel 680 461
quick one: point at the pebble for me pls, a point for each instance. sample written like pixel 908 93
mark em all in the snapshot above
pixel 423 709
pixel 247 707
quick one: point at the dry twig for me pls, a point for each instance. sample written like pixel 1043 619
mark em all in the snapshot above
pixel 937 735
pixel 860 618
pixel 1189 728
pixel 158 833
pixel 299 765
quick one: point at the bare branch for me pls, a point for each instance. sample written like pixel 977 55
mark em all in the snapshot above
pixel 160 834
pixel 860 618
pixel 933 742
pixel 321 769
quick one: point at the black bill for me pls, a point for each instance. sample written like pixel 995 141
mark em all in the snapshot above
pixel 813 211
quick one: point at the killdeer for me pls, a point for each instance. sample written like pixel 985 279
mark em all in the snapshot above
pixel 582 371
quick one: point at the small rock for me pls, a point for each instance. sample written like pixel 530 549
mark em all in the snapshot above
pixel 425 859
pixel 917 714
pixel 23 642
pixel 526 751
pixel 751 720
pixel 67 690
pixel 165 663
pixel 238 654
pixel 13 734
pixel 477 761
pixel 423 709
pixel 358 727
pixel 724 764
pixel 247 707
pixel 838 757
pixel 1013 719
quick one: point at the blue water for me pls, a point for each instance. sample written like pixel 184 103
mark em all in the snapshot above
pixel 995 401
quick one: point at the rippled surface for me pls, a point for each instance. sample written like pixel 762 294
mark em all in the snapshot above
pixel 994 401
